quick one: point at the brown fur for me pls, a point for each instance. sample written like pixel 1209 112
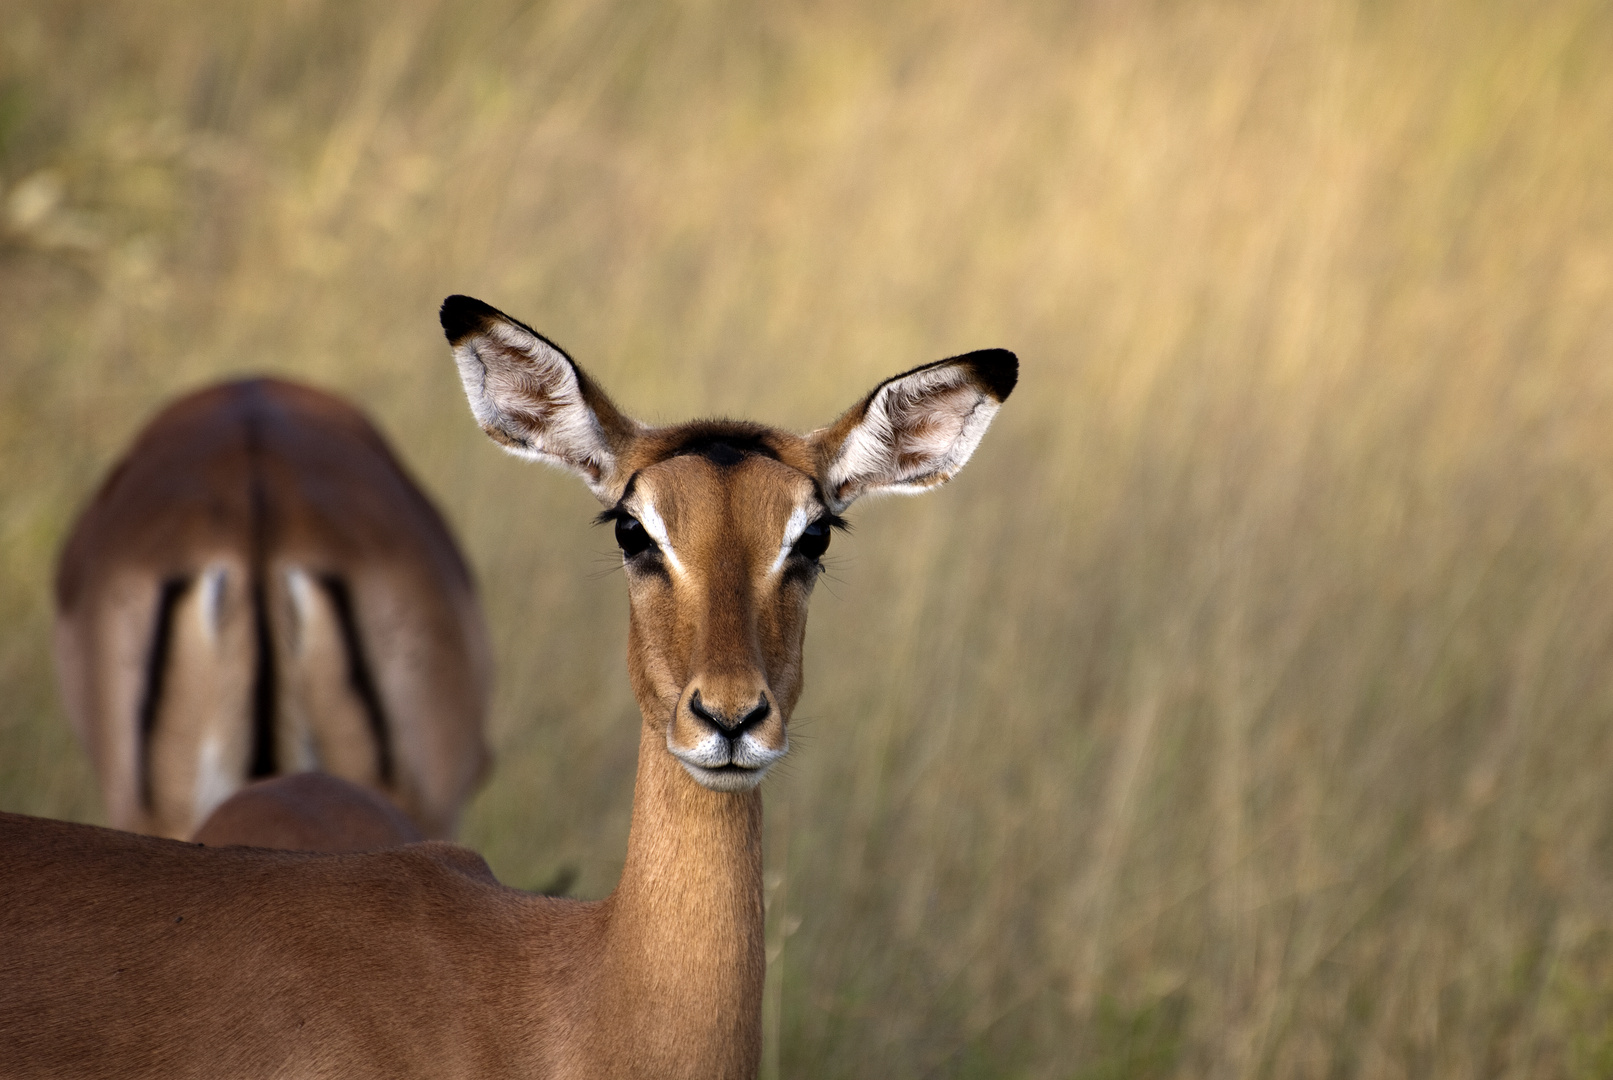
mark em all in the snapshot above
pixel 262 485
pixel 413 961
pixel 307 812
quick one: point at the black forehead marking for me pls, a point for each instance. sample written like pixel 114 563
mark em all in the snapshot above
pixel 720 453
pixel 724 449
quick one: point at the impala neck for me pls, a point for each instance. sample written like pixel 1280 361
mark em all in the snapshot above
pixel 685 925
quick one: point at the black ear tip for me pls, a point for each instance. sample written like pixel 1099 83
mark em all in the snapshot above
pixel 462 316
pixel 997 368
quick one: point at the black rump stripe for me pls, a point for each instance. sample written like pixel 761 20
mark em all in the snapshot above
pixel 359 674
pixel 162 635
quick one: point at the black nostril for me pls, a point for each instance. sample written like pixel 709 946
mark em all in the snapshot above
pixel 752 718
pixel 731 729
pixel 701 711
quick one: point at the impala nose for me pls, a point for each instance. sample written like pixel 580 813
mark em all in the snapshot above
pixel 727 737
pixel 727 722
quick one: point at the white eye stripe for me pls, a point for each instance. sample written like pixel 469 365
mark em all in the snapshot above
pixel 799 520
pixel 653 525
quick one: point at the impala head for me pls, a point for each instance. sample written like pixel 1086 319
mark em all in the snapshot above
pixel 722 524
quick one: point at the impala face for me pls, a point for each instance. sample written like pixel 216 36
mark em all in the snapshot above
pixel 721 543
pixel 722 524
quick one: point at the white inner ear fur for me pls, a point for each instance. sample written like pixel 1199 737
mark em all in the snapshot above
pixel 917 432
pixel 525 393
pixel 799 520
pixel 647 517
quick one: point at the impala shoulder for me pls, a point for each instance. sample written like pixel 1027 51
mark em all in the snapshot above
pixel 441 856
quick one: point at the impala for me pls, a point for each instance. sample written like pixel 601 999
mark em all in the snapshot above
pixel 307 811
pixel 258 588
pixel 143 957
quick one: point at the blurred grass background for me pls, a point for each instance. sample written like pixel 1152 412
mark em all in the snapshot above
pixel 1244 710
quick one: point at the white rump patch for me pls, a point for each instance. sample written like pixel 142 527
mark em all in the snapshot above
pixel 210 602
pixel 215 781
pixel 301 589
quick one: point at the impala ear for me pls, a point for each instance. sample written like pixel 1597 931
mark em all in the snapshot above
pixel 533 399
pixel 916 430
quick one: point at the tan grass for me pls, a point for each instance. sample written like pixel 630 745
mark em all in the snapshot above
pixel 1245 709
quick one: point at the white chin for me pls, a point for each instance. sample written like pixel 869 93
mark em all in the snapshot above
pixel 729 778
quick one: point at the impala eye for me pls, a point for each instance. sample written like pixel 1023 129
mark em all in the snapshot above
pixel 631 537
pixel 814 541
